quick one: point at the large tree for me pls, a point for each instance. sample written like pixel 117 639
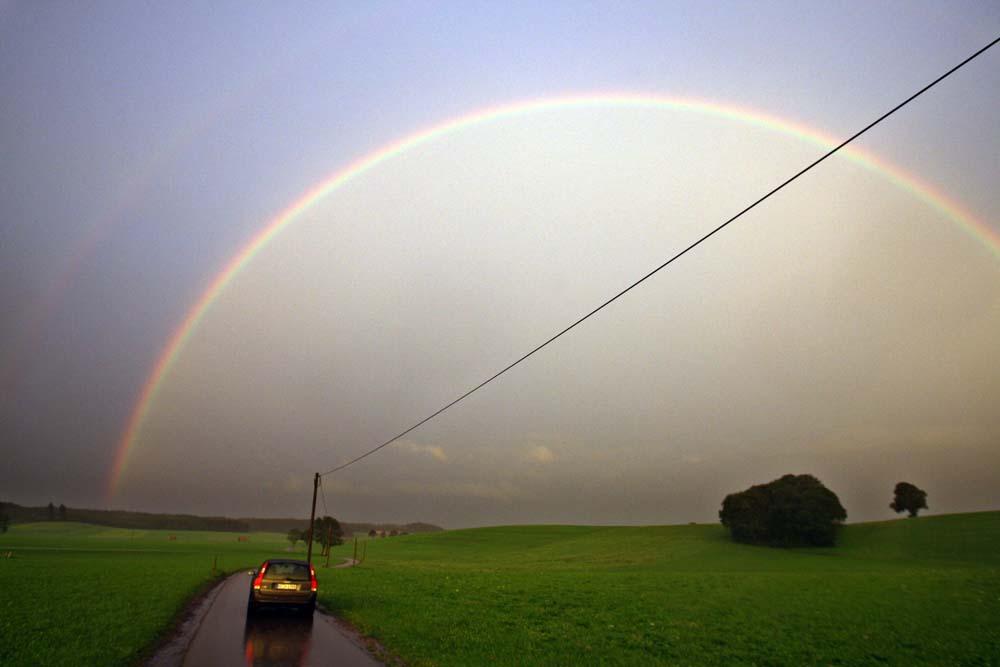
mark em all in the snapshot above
pixel 794 510
pixel 328 532
pixel 908 498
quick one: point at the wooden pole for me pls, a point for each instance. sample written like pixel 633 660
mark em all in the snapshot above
pixel 312 520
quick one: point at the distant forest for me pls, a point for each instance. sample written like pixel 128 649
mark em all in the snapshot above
pixel 147 521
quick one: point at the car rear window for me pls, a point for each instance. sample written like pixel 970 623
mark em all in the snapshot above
pixel 293 571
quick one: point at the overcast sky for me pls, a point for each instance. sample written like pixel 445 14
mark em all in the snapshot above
pixel 846 328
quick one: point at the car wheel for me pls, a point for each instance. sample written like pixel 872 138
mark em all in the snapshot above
pixel 251 606
pixel 308 608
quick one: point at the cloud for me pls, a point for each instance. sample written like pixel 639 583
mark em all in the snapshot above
pixel 501 491
pixel 541 454
pixel 433 451
pixel 345 487
pixel 293 484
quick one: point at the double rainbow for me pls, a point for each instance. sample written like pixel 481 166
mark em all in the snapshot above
pixel 949 208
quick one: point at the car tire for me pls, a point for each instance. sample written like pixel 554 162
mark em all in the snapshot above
pixel 308 608
pixel 251 606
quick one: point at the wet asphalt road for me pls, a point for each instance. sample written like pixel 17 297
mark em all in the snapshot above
pixel 225 637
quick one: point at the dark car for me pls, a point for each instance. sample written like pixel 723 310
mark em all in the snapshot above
pixel 283 582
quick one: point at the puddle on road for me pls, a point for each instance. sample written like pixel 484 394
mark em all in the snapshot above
pixel 272 639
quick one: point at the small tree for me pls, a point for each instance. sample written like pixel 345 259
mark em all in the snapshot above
pixel 908 498
pixel 294 536
pixel 328 527
pixel 372 533
pixel 52 512
pixel 4 519
pixel 62 512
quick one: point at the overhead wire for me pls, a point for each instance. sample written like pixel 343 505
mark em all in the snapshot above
pixel 675 257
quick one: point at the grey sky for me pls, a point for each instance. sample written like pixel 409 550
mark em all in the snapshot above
pixel 846 329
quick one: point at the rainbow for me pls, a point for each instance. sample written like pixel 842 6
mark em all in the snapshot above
pixel 239 261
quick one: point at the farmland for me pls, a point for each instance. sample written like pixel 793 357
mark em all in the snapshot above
pixel 924 591
pixel 76 594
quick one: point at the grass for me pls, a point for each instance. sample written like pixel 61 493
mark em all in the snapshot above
pixel 77 594
pixel 904 592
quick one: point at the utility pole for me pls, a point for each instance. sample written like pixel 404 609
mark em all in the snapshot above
pixel 312 520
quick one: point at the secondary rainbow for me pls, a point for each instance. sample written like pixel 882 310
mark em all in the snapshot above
pixel 979 230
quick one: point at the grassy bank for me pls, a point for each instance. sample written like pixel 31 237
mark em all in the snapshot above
pixel 76 594
pixel 923 591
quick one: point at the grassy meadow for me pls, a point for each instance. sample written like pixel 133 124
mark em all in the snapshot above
pixel 78 594
pixel 924 591
pixel 904 592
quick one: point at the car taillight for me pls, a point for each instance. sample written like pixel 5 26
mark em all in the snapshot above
pixel 312 575
pixel 260 576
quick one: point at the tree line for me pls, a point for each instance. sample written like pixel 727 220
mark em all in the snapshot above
pixel 15 513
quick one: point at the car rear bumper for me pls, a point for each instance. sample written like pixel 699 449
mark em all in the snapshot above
pixel 289 597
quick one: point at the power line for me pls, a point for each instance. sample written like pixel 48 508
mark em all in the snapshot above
pixel 672 259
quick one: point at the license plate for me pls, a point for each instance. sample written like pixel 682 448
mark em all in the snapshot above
pixel 287 587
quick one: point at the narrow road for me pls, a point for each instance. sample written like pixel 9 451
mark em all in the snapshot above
pixel 225 637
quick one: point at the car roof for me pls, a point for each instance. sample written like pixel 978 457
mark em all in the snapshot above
pixel 286 560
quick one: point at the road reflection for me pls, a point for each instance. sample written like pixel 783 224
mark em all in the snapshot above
pixel 277 638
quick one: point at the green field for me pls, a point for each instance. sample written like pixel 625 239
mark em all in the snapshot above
pixel 924 591
pixel 76 594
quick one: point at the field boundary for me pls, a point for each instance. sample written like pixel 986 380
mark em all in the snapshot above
pixel 169 650
pixel 372 646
